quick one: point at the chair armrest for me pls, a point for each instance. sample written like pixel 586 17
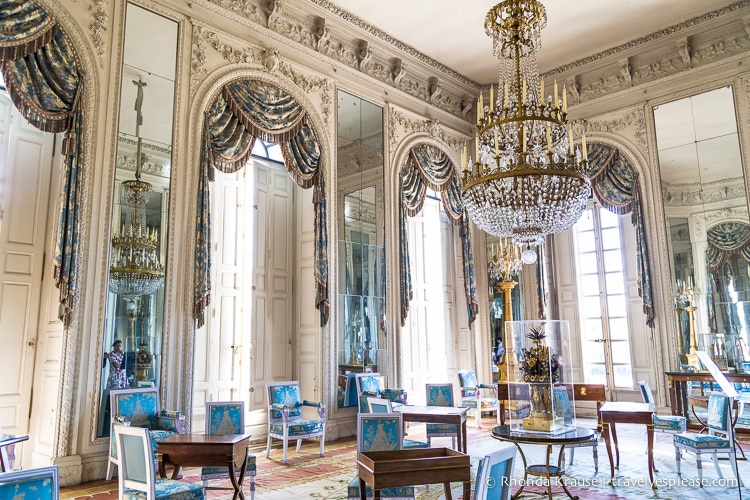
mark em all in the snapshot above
pixel 317 404
pixel 171 420
pixel 284 409
pixel 486 386
pixel 394 395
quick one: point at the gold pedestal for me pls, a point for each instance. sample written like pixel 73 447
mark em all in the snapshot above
pixel 545 422
pixel 142 372
pixel 692 357
pixel 509 364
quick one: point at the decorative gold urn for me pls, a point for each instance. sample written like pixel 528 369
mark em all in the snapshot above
pixel 143 360
pixel 539 371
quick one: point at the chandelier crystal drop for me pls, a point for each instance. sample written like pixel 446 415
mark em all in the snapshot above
pixel 526 179
pixel 136 268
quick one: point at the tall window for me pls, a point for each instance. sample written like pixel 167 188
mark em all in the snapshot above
pixel 603 302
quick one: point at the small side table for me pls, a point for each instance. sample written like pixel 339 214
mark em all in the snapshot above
pixel 7 451
pixel 624 412
pixel 393 468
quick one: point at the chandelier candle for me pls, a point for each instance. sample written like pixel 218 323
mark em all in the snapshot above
pixel 527 179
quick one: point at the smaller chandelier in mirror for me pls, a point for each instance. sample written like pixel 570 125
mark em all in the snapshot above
pixel 526 179
pixel 505 261
pixel 136 268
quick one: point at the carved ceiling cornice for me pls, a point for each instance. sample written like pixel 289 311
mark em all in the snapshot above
pixel 691 194
pixel 654 37
pixel 349 41
pixel 268 59
pixel 416 125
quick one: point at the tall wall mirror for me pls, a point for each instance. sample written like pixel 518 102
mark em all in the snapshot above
pixel 135 301
pixel 361 228
pixel 504 266
pixel 703 188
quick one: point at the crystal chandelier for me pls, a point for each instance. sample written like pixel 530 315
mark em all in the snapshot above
pixel 505 262
pixel 135 268
pixel 526 180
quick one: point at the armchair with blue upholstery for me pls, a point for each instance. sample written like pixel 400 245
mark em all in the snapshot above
pixel 440 395
pixel 286 420
pixel 370 385
pixel 137 475
pixel 664 423
pixel 40 484
pixel 471 395
pixel 227 417
pixel 564 410
pixel 720 438
pixel 140 408
pixel 379 432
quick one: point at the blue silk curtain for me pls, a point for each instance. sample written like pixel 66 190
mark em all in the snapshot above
pixel 428 167
pixel 243 111
pixel 43 80
pixel 617 187
pixel 727 238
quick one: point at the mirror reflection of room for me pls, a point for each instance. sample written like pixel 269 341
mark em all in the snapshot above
pixel 361 229
pixel 504 266
pixel 135 304
pixel 709 235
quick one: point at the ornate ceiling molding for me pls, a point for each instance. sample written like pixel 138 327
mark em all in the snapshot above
pixel 379 57
pixel 640 42
pixel 268 59
pixel 426 126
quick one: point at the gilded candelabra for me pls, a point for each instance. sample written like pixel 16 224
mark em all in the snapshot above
pixel 687 293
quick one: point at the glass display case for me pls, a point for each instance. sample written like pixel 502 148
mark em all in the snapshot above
pixel 727 350
pixel 539 368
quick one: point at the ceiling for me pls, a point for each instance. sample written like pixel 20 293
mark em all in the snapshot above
pixel 452 32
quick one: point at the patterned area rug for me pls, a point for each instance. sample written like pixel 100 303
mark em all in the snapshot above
pixel 310 476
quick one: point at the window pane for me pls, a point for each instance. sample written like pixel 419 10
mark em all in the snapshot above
pixel 618 329
pixel 590 284
pixel 587 263
pixel 274 152
pixel 586 242
pixel 597 375
pixel 592 307
pixel 612 260
pixel 616 306
pixel 592 330
pixel 611 238
pixel 623 376
pixel 607 218
pixel 586 222
pixel 615 283
pixel 620 353
pixel 595 352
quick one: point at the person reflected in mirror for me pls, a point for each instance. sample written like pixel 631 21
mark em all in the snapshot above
pixel 118 378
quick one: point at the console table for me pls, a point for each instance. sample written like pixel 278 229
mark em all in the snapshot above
pixel 393 468
pixel 679 382
pixel 207 450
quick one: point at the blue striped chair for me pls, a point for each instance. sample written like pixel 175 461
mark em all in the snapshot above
pixel 286 420
pixel 440 395
pixel 137 475
pixel 370 385
pixel 140 408
pixel 471 395
pixel 720 438
pixel 379 432
pixel 664 423
pixel 227 417
pixel 40 484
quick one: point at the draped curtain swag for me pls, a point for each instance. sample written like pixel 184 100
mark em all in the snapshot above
pixel 428 167
pixel 44 82
pixel 243 111
pixel 617 187
pixel 725 239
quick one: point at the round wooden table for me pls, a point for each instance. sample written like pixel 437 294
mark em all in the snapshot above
pixel 572 435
